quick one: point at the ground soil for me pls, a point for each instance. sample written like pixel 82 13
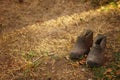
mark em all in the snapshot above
pixel 36 37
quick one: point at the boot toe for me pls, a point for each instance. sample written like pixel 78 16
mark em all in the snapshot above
pixel 92 64
pixel 74 56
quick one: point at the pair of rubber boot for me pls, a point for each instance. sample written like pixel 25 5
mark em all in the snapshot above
pixel 94 49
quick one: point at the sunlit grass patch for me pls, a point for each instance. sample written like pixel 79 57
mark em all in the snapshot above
pixel 30 55
pixel 111 5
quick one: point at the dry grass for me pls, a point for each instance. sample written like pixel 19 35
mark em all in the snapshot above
pixel 36 38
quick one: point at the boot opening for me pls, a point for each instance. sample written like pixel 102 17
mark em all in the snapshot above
pixel 98 41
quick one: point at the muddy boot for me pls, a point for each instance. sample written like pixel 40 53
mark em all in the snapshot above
pixel 82 45
pixel 96 56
